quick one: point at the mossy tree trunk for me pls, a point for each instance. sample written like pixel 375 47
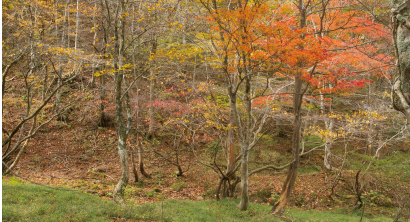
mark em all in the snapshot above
pixel 401 38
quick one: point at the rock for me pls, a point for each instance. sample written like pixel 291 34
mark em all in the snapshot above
pixel 157 190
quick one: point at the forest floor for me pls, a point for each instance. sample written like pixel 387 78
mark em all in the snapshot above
pixel 86 157
pixel 29 202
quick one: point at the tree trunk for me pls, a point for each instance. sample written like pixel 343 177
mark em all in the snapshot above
pixel 118 193
pixel 141 161
pixel 291 177
pixel 68 23
pixel 327 160
pixel 58 94
pixel 102 119
pixel 134 168
pixel 151 107
pixel 401 33
pixel 243 205
pixel 328 146
pixel 151 91
pixel 229 141
pixel 95 66
pixel 92 82
pixel 297 104
pixel 77 25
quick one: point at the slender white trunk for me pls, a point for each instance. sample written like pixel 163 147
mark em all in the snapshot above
pixel 151 88
pixel 77 25
pixel 329 122
pixel 328 146
pixel 151 100
pixel 92 84
pixel 68 23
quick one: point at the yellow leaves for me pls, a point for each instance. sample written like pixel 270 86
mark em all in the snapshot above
pixel 385 93
pixel 319 132
pixel 127 66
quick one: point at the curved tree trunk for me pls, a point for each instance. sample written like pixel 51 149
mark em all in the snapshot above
pixel 401 34
pixel 141 161
pixel 297 105
pixel 291 177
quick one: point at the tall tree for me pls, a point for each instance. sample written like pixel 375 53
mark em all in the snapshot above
pixel 298 92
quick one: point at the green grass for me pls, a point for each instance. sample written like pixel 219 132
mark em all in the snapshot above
pixel 26 202
pixel 340 215
pixel 309 169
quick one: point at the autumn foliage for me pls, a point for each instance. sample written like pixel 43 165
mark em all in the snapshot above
pixel 237 87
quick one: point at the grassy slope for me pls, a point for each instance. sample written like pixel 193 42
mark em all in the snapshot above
pixel 26 202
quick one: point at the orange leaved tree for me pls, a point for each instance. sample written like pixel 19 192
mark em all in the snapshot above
pixel 253 42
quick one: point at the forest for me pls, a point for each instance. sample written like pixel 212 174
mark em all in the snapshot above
pixel 206 110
